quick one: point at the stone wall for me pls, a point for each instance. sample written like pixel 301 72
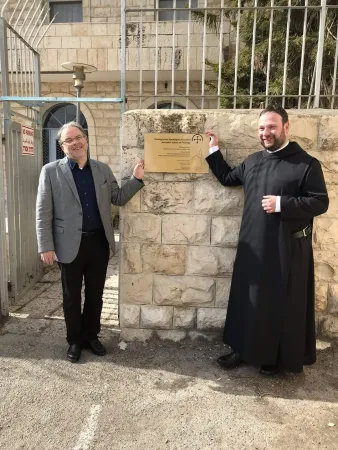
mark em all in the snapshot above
pixel 179 234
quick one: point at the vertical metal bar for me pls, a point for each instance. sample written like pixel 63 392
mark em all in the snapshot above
pixel 16 65
pixel 220 57
pixel 334 82
pixel 156 53
pixel 269 55
pixel 187 86
pixel 203 52
pixel 286 53
pixel 319 59
pixel 302 56
pixel 253 52
pixel 173 56
pixel 30 73
pixel 4 299
pixel 237 52
pixel 140 57
pixel 78 95
pixel 10 63
pixel 312 84
pixel 20 73
pixel 123 56
pixel 37 75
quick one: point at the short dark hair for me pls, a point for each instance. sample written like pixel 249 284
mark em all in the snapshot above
pixel 278 110
pixel 69 125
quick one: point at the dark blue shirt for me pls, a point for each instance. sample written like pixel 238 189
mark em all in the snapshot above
pixel 84 182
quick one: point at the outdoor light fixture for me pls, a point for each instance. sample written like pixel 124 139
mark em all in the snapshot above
pixel 79 77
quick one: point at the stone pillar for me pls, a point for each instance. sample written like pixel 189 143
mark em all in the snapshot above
pixel 179 234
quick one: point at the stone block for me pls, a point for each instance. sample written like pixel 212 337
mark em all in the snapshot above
pixel 130 157
pixel 183 291
pixel 102 60
pixel 225 231
pixel 211 197
pixel 52 42
pixel 330 260
pixel 168 259
pixel 210 318
pixel 141 227
pixel 136 289
pixel 134 204
pixel 80 29
pixel 325 235
pixel 171 335
pixel 329 326
pixel 324 271
pixel 130 316
pixel 328 133
pixel 333 299
pixel 71 42
pixel 131 334
pixel 240 128
pixel 165 197
pixel 304 130
pixel 186 229
pixel 184 318
pixel 212 261
pixel 156 317
pixel 210 336
pixel 321 295
pixel 98 29
pixel 102 42
pixel 222 292
pixel 332 190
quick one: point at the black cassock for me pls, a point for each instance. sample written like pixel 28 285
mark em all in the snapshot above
pixel 271 306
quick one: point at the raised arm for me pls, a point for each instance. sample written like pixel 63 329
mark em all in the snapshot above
pixel 220 168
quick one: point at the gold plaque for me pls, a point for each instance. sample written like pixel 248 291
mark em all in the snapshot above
pixel 176 153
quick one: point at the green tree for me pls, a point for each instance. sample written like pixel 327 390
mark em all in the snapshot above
pixel 260 63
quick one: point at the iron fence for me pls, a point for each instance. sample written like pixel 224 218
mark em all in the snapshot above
pixel 248 54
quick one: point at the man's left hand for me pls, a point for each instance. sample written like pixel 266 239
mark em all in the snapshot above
pixel 269 203
pixel 139 170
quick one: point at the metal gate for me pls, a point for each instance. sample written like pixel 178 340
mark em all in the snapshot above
pixel 21 162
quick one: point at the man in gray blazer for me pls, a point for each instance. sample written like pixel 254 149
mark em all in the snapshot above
pixel 74 226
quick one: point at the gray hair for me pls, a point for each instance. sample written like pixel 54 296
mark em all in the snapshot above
pixel 69 125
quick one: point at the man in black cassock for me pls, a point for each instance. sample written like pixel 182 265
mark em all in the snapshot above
pixel 271 319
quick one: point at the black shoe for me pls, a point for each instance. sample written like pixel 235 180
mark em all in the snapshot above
pixel 268 371
pixel 74 352
pixel 230 361
pixel 96 347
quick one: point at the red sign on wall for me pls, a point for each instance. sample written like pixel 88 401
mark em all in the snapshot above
pixel 27 134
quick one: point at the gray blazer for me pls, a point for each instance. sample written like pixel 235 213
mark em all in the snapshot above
pixel 59 211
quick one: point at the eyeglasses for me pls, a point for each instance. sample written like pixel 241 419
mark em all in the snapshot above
pixel 69 141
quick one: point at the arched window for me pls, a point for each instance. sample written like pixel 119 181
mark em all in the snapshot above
pixel 167 105
pixel 57 116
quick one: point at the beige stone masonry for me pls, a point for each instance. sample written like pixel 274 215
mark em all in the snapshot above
pixel 156 317
pixel 184 229
pixel 179 234
pixel 183 291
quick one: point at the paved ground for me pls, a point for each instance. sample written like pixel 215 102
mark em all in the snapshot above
pixel 149 396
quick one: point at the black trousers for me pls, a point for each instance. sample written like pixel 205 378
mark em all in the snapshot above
pixel 89 265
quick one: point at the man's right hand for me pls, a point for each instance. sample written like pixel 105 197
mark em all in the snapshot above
pixel 48 257
pixel 213 139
